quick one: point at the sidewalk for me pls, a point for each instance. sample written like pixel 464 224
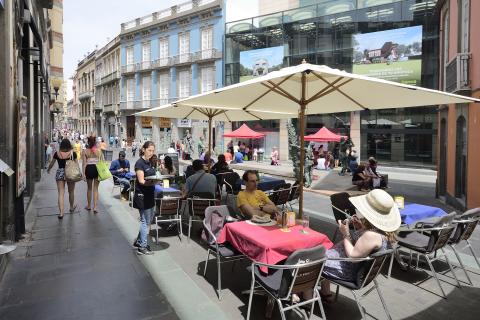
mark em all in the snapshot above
pixel 76 268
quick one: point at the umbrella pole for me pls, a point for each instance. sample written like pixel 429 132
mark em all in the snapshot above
pixel 301 117
pixel 209 141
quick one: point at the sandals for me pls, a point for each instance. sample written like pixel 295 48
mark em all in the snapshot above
pixel 72 210
pixel 95 211
pixel 60 217
pixel 88 209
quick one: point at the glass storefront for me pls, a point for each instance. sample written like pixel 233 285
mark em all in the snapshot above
pixel 327 33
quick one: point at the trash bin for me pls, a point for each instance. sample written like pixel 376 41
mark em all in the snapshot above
pixel 108 155
pixel 260 156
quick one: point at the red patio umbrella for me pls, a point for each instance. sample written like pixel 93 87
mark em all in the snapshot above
pixel 324 135
pixel 244 132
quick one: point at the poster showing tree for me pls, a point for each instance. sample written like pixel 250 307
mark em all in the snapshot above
pixel 259 62
pixel 394 55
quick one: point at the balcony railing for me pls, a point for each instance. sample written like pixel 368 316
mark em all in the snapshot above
pixel 85 95
pixel 456 74
pixel 209 54
pixel 183 58
pixel 129 68
pixel 162 62
pixel 115 75
pixel 170 13
pixel 145 65
pixel 108 108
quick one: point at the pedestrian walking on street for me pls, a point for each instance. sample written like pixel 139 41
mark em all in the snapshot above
pixel 134 147
pixel 90 158
pixel 144 198
pixel 65 153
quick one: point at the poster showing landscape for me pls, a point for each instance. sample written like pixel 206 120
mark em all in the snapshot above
pixel 394 55
pixel 259 62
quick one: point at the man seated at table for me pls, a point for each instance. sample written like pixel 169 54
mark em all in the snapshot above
pixel 120 168
pixel 252 201
pixel 201 182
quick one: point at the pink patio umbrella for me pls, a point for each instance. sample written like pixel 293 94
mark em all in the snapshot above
pixel 324 135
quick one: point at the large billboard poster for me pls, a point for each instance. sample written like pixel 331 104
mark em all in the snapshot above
pixel 259 62
pixel 394 55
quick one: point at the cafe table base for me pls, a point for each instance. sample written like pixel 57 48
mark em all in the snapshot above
pixel 268 244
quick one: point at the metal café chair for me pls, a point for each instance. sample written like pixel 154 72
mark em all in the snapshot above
pixel 280 195
pixel 465 225
pixel 196 206
pixel 342 208
pixel 169 212
pixel 116 184
pixel 294 195
pixel 367 272
pixel 301 272
pixel 425 240
pixel 222 252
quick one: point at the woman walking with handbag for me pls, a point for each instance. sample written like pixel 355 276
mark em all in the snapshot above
pixel 90 157
pixel 144 197
pixel 65 153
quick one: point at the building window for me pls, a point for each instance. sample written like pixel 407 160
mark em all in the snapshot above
pixel 130 55
pixel 184 84
pixel 207 42
pixel 207 79
pixel 163 85
pixel 146 88
pixel 130 89
pixel 146 51
pixel 183 46
pixel 163 50
pixel 464 23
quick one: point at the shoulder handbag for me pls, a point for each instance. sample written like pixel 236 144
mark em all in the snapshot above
pixel 72 170
pixel 102 169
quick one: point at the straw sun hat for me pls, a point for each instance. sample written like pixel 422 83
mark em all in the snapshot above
pixel 379 209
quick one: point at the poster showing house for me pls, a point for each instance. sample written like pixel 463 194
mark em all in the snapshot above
pixel 394 55
pixel 259 62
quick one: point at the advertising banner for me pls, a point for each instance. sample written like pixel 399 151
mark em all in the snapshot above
pixel 259 62
pixel 22 145
pixel 394 55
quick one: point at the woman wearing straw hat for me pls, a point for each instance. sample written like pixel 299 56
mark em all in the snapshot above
pixel 376 221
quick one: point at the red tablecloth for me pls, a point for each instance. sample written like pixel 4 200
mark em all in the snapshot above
pixel 270 244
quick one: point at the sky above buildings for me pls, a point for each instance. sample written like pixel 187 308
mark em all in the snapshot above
pixel 91 23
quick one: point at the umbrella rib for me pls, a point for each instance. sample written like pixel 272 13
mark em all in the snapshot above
pixel 193 109
pixel 279 92
pixel 253 115
pixel 264 94
pixel 277 87
pixel 320 94
pixel 341 92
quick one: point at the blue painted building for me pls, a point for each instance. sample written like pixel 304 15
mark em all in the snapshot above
pixel 165 56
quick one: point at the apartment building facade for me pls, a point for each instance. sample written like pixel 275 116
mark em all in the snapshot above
pixel 89 115
pixel 165 56
pixel 458 129
pixel 107 88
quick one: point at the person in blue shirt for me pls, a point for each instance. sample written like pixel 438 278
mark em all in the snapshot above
pixel 120 168
pixel 238 157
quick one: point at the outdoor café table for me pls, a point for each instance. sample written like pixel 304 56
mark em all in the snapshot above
pixel 413 212
pixel 267 183
pixel 269 244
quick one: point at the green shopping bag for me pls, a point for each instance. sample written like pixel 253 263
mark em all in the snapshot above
pixel 103 170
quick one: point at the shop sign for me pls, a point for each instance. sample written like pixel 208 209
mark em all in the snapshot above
pixel 184 123
pixel 146 122
pixel 164 122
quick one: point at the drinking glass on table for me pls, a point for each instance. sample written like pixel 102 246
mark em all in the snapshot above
pixel 305 223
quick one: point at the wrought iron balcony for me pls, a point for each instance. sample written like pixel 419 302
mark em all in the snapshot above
pixel 456 74
pixel 108 108
pixel 115 75
pixel 85 95
pixel 184 58
pixel 162 63
pixel 208 54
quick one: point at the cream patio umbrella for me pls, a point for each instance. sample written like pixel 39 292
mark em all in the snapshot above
pixel 313 89
pixel 178 111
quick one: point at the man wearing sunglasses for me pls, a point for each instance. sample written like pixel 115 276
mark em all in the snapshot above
pixel 120 168
pixel 252 201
